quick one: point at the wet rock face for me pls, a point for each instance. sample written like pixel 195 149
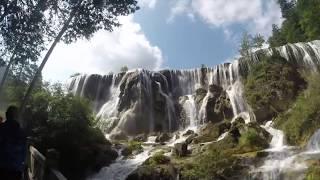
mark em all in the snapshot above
pixel 181 149
pixel 143 104
pixel 164 137
pixel 218 107
pixel 210 132
pixel 200 94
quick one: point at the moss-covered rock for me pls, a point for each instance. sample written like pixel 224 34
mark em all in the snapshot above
pixel 133 147
pixel 156 167
pixel 157 159
pixel 302 120
pixel 210 132
pixel 272 86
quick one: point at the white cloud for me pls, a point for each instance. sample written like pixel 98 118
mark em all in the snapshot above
pixel 105 52
pixel 147 3
pixel 259 15
pixel 178 8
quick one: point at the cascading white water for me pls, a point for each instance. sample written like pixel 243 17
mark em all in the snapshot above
pixel 122 167
pixel 281 159
pixel 314 143
pixel 284 162
pixel 170 111
pixel 190 108
pixel 277 142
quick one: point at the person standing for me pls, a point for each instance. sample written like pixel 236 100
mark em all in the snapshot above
pixel 12 147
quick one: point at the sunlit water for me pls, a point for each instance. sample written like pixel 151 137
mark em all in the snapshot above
pixel 285 162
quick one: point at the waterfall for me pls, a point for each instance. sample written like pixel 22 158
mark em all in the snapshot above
pixel 284 162
pixel 132 102
pixel 122 167
pixel 281 160
pixel 314 143
pixel 191 112
pixel 142 101
pixel 170 111
pixel 278 139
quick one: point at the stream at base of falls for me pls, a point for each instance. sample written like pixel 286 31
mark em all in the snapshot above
pixel 282 163
pixel 285 162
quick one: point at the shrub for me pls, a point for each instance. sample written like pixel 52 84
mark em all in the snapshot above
pixel 135 146
pixel 66 123
pixel 157 159
pixel 251 141
pixel 313 173
pixel 207 165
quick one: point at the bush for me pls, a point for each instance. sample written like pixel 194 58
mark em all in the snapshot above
pixel 271 86
pixel 251 141
pixel 313 173
pixel 207 165
pixel 304 118
pixel 157 159
pixel 135 146
pixel 66 123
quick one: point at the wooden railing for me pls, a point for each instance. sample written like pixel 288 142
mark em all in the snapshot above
pixel 42 168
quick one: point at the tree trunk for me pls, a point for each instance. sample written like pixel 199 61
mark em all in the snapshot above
pixel 43 63
pixel 6 72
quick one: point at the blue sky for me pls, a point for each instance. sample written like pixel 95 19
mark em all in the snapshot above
pixel 177 34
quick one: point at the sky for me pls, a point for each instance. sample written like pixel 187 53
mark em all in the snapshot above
pixel 175 34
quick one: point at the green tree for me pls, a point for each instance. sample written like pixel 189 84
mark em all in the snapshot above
pixel 124 69
pixel 249 43
pixel 22 29
pixel 246 45
pixel 301 22
pixel 309 12
pixel 286 7
pixel 277 39
pixel 258 41
pixel 82 19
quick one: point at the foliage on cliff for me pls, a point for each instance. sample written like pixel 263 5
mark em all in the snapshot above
pixel 301 22
pixel 271 86
pixel 303 119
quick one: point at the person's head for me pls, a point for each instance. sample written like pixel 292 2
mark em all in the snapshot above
pixel 12 113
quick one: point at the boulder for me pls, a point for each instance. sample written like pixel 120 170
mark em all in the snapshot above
pixel 189 132
pixel 163 137
pixel 119 136
pixel 191 138
pixel 210 132
pixel 141 138
pixel 181 149
pixel 126 151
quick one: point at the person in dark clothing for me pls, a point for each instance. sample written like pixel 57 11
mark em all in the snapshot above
pixel 12 147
